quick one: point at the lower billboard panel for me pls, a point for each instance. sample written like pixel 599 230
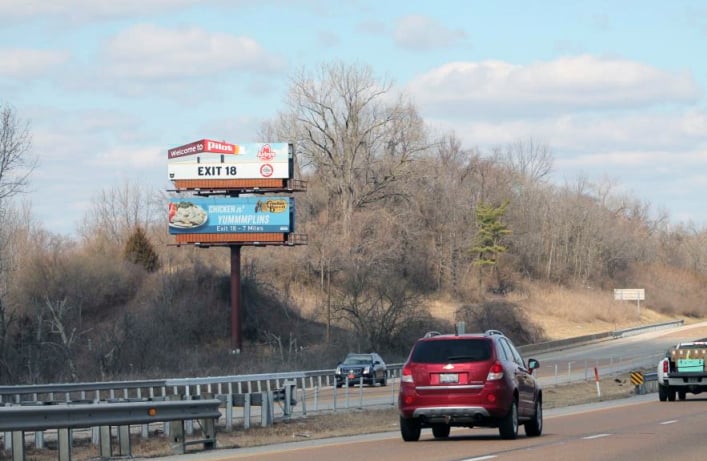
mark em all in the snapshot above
pixel 207 239
pixel 231 215
pixel 191 184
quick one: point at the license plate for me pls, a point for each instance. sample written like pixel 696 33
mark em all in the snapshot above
pixel 693 380
pixel 448 378
pixel 352 376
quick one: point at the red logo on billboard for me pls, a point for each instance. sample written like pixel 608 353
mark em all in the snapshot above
pixel 203 145
pixel 266 153
pixel 266 170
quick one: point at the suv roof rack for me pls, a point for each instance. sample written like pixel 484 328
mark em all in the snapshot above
pixel 430 334
pixel 493 332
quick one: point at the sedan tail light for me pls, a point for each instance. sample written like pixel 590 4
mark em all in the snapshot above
pixel 495 372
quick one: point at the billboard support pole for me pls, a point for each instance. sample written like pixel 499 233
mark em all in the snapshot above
pixel 236 341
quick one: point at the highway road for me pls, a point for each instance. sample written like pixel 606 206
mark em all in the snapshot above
pixel 638 428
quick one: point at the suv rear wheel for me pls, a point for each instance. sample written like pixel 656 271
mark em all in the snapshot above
pixel 508 427
pixel 410 429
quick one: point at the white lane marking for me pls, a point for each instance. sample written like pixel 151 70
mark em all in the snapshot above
pixel 597 436
pixel 480 458
pixel 670 422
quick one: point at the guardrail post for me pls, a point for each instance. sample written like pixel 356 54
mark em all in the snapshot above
pixel 64 438
pixel 393 393
pixel 266 409
pixel 346 391
pixel 246 411
pixel 229 411
pixel 104 442
pixel 16 442
pixel 335 392
pixel 39 440
pixel 208 426
pixel 177 438
pixel 189 424
pixel 124 440
pixel 290 389
pixel 360 393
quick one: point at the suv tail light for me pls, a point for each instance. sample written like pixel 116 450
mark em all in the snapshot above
pixel 406 376
pixel 495 372
pixel 666 366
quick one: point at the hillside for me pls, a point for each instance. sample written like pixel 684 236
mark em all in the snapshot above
pixel 565 313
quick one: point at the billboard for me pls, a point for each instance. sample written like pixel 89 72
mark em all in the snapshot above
pixel 207 159
pixel 231 215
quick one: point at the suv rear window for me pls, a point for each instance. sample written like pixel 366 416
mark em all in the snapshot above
pixel 451 350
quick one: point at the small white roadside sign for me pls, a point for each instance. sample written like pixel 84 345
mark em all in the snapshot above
pixel 630 294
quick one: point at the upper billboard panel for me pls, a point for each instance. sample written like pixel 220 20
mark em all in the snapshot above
pixel 207 159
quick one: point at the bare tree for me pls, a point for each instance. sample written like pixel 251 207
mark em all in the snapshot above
pixel 530 160
pixel 62 326
pixel 16 161
pixel 16 165
pixel 444 196
pixel 353 134
pixel 115 212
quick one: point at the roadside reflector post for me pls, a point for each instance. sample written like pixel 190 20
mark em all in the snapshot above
pixel 596 379
pixel 638 380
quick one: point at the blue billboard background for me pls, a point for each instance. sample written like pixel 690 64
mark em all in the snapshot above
pixel 225 215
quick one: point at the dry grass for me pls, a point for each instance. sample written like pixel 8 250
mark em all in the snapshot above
pixel 566 313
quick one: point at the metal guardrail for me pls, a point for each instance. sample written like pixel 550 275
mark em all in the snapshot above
pixel 560 344
pixel 16 419
pixel 43 417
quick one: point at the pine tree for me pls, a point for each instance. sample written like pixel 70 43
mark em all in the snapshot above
pixel 139 250
pixel 489 237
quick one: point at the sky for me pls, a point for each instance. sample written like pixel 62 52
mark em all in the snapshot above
pixel 615 89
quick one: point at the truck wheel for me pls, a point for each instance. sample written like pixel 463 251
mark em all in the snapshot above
pixel 662 393
pixel 682 395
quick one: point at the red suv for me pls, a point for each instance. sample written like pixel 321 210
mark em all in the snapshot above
pixel 468 380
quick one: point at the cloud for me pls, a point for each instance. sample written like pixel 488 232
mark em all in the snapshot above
pixel 81 11
pixel 582 133
pixel 416 32
pixel 29 63
pixel 372 27
pixel 146 51
pixel 328 39
pixel 131 159
pixel 495 88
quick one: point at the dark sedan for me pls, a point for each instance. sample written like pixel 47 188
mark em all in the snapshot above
pixel 362 369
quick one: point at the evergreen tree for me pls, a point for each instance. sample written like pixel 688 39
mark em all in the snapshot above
pixel 139 250
pixel 489 237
